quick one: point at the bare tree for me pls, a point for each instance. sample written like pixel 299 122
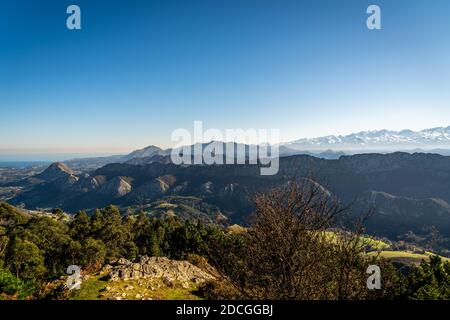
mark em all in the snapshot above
pixel 292 249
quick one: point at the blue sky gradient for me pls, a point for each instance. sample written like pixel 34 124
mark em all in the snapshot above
pixel 140 69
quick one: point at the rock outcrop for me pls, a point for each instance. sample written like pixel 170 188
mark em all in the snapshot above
pixel 116 187
pixel 172 272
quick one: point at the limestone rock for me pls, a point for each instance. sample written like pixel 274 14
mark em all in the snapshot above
pixel 171 272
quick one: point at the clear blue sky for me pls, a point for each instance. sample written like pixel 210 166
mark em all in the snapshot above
pixel 140 69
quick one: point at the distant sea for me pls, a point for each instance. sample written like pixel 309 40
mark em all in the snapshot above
pixel 21 164
pixel 27 160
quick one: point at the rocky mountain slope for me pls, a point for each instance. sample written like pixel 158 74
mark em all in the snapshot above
pixel 394 215
pixel 409 191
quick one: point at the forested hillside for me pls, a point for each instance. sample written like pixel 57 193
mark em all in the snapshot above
pixel 36 249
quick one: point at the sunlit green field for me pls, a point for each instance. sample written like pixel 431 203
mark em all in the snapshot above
pixel 405 256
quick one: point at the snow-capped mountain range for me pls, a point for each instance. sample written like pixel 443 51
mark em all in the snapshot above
pixel 378 140
pixel 435 140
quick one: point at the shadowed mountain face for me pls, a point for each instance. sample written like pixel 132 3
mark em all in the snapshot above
pixel 410 175
pixel 394 215
pixel 408 191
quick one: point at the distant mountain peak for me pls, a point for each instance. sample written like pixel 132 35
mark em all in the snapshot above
pixel 149 148
pixel 148 151
pixel 55 171
pixel 60 167
pixel 378 140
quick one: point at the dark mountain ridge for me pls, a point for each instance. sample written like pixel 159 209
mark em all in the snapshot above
pixel 399 181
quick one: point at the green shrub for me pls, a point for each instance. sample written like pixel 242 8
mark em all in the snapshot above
pixel 10 285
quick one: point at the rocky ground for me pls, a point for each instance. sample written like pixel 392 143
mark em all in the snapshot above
pixel 147 278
